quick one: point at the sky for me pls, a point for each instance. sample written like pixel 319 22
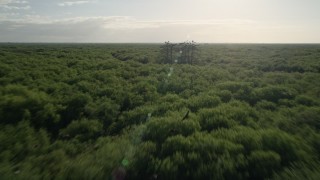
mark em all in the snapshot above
pixel 153 21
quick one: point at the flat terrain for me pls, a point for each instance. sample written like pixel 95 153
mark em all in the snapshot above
pixel 103 111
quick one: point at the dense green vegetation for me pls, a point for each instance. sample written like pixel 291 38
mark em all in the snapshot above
pixel 108 111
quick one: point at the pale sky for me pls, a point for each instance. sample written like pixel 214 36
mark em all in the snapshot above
pixel 111 21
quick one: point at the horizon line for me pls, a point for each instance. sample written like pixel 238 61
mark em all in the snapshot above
pixel 313 43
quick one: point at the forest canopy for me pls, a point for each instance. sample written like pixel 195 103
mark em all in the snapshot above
pixel 118 111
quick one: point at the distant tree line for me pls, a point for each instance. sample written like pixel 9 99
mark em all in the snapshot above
pixel 181 53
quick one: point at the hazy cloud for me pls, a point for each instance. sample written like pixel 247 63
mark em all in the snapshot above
pixel 125 22
pixel 3 2
pixel 14 5
pixel 71 3
pixel 33 28
pixel 6 2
